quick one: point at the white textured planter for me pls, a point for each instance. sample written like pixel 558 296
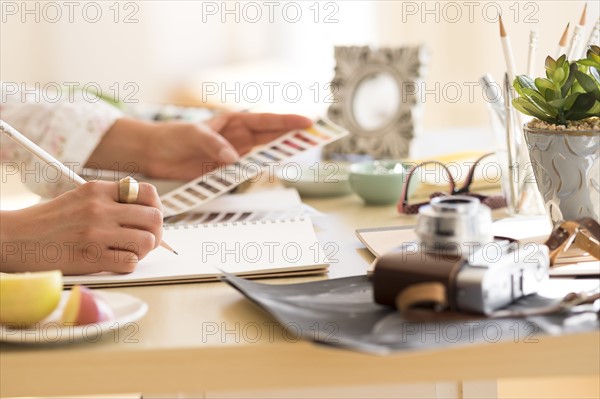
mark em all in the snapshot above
pixel 567 170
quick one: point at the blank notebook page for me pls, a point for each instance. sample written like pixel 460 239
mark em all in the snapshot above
pixel 247 248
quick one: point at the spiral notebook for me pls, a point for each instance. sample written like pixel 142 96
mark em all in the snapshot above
pixel 265 248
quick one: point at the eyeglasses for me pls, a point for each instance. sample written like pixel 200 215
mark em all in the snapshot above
pixel 494 202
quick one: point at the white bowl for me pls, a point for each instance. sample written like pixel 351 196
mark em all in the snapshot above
pixel 321 179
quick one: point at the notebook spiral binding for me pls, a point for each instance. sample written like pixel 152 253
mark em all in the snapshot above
pixel 228 224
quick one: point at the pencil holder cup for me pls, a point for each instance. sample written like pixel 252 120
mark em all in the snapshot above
pixel 517 179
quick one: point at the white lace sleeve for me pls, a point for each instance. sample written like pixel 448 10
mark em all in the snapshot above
pixel 68 130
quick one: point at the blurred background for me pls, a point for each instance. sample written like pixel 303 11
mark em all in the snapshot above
pixel 195 52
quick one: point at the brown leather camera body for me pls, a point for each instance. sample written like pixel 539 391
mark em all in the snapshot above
pixel 399 270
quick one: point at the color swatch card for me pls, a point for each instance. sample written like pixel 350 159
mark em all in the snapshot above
pixel 221 180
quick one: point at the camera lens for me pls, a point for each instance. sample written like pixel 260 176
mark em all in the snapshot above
pixel 455 224
pixel 456 204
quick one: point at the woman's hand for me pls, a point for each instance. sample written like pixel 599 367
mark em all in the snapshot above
pixel 83 231
pixel 184 151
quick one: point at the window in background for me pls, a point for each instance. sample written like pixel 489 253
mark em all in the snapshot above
pixel 162 47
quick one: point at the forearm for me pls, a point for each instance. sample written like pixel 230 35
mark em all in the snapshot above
pixel 126 146
pixel 9 248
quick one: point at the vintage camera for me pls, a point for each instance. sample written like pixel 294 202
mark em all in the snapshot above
pixel 480 273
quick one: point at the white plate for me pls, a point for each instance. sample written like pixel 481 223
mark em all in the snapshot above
pixel 126 309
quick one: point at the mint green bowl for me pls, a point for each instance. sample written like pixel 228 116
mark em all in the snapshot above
pixel 380 182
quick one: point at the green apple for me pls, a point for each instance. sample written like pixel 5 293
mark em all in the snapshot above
pixel 27 298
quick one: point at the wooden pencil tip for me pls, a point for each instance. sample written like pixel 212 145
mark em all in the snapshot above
pixel 502 30
pixel 582 19
pixel 563 39
pixel 168 247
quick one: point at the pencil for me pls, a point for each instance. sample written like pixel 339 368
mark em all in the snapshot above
pixel 36 150
pixel 594 39
pixel 563 42
pixel 572 52
pixel 494 97
pixel 508 53
pixel 510 71
pixel 511 145
pixel 533 39
pixel 40 153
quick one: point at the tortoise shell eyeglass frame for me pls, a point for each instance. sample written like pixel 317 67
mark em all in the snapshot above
pixel 494 202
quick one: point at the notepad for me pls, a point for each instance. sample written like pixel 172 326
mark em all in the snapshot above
pixel 253 249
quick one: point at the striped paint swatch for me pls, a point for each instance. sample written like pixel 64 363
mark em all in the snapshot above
pixel 225 178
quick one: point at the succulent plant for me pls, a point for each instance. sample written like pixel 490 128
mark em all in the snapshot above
pixel 569 92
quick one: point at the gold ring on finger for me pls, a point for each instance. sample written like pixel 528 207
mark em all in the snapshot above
pixel 129 189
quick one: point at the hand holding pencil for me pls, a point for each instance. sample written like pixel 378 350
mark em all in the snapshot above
pixel 99 226
pixel 83 231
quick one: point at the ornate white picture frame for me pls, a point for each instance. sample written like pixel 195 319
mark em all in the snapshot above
pixel 361 73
